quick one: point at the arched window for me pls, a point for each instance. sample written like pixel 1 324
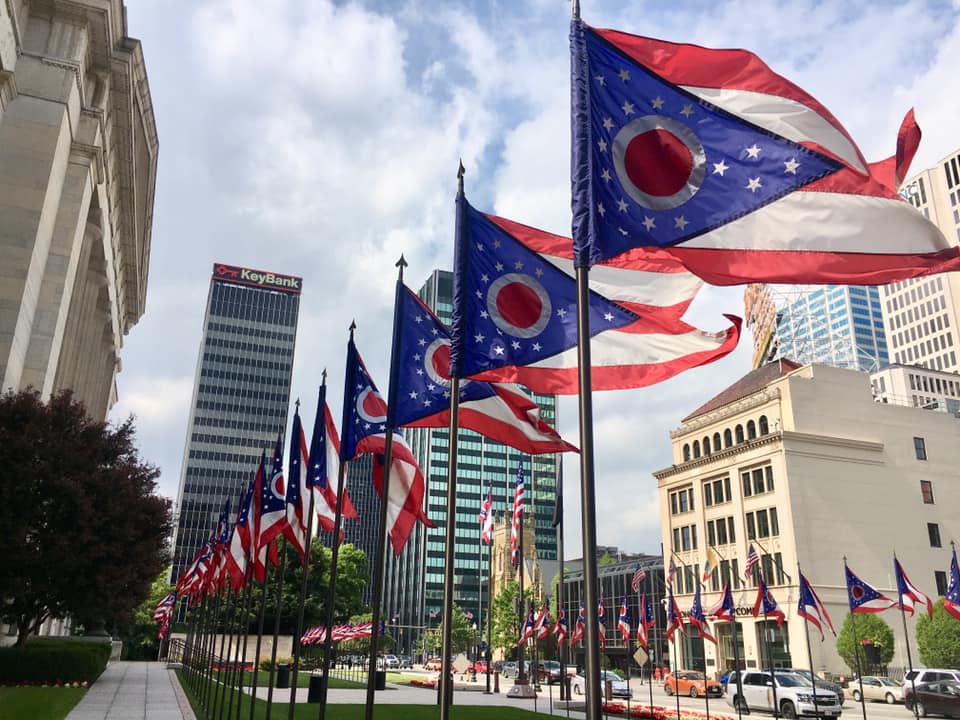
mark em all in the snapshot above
pixel 706 446
pixel 716 442
pixel 751 430
pixel 686 452
pixel 696 448
pixel 739 431
pixel 764 427
pixel 727 438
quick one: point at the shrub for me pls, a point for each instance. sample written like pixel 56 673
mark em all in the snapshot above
pixel 50 661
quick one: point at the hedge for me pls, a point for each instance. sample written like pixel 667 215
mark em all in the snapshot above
pixel 42 660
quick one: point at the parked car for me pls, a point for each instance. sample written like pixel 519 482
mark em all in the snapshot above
pixel 406 662
pixel 433 663
pixel 510 669
pixel 878 688
pixel 820 682
pixel 480 666
pixel 692 683
pixel 921 676
pixel 391 662
pixel 795 695
pixel 940 698
pixel 618 686
pixel 549 671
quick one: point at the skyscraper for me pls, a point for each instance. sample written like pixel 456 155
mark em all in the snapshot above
pixel 240 395
pixel 838 325
pixel 415 579
pixel 921 316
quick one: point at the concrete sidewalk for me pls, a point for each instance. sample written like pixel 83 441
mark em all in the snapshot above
pixel 134 691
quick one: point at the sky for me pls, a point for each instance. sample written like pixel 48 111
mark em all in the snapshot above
pixel 322 139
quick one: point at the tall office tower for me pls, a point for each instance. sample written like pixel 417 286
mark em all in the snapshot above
pixel 921 316
pixel 78 168
pixel 240 395
pixel 361 533
pixel 415 579
pixel 838 325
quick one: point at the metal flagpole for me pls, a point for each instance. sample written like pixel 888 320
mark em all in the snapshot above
pixel 231 653
pixel 766 644
pixel 906 638
pixel 480 615
pixel 298 631
pixel 379 569
pixel 208 693
pixel 588 499
pixel 222 677
pixel 813 674
pixel 335 551
pixel 856 647
pixel 245 628
pixel 643 615
pixel 676 665
pixel 736 649
pixel 561 605
pixel 263 602
pixel 489 654
pixel 282 547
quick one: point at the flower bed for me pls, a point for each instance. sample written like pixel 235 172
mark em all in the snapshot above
pixel 658 712
pixel 429 684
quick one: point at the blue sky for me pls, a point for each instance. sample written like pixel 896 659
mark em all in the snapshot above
pixel 322 139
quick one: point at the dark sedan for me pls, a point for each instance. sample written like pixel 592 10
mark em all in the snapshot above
pixel 936 698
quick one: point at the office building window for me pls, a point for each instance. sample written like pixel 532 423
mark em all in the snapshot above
pixel 920 448
pixel 941 579
pixel 926 491
pixel 933 530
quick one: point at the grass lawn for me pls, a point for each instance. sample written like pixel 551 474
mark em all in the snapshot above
pixel 306 711
pixel 29 703
pixel 303 681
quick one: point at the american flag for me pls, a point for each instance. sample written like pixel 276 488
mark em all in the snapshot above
pixel 638 577
pixel 517 514
pixel 752 560
pixel 468 615
pixel 486 518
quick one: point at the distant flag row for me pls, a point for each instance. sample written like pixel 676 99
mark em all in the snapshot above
pixel 163 613
pixel 340 633
pixel 862 598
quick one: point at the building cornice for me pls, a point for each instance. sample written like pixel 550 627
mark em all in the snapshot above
pixel 737 407
pixel 674 470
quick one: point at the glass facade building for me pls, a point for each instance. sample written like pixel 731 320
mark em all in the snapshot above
pixel 838 325
pixel 414 582
pixel 240 395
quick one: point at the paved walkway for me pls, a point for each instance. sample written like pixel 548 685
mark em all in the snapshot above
pixel 134 691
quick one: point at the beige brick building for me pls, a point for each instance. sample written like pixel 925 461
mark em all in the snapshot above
pixel 78 164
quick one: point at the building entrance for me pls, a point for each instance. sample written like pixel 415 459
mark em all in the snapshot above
pixel 725 655
pixel 774 644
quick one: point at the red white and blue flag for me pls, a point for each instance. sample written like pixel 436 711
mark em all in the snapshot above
pixel 529 627
pixel 623 621
pixel 724 608
pixel 542 625
pixel 560 627
pixel 737 172
pixel 499 411
pixel 298 493
pixel 517 514
pixel 811 609
pixel 862 597
pixel 486 518
pixel 638 576
pixel 238 555
pixel 698 620
pixel 515 319
pixel 909 594
pixel 766 604
pixel 601 625
pixel 671 572
pixel 579 627
pixel 752 561
pixel 951 601
pixel 272 515
pixel 647 621
pixel 217 577
pixel 324 476
pixel 674 618
pixel 365 432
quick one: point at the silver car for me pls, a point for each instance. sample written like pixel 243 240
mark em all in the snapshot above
pixel 618 686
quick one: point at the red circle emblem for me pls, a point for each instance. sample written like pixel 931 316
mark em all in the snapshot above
pixel 371 407
pixel 519 305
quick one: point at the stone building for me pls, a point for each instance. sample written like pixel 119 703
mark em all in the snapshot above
pixel 78 165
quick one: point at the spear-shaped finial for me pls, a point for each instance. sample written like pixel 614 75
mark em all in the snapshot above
pixel 323 377
pixel 296 404
pixel 461 171
pixel 353 326
pixel 401 263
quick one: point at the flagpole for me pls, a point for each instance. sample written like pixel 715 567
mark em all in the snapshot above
pixel 647 629
pixel 806 636
pixel 208 693
pixel 489 653
pixel 766 644
pixel 588 495
pixel 263 604
pixel 522 678
pixel 245 627
pixel 231 652
pixel 335 545
pixel 676 665
pixel 561 605
pixel 282 547
pixel 736 648
pixel 856 645
pixel 221 680
pixel 379 569
pixel 906 639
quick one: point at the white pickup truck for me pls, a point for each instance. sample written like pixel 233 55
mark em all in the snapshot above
pixel 795 695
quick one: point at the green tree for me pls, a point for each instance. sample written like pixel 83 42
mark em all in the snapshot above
pixel 352 575
pixel 82 530
pixel 506 616
pixel 870 628
pixel 938 639
pixel 140 640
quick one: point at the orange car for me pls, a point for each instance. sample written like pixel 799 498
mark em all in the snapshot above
pixel 432 664
pixel 691 682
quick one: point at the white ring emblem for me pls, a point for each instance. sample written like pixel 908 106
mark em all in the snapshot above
pixel 531 284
